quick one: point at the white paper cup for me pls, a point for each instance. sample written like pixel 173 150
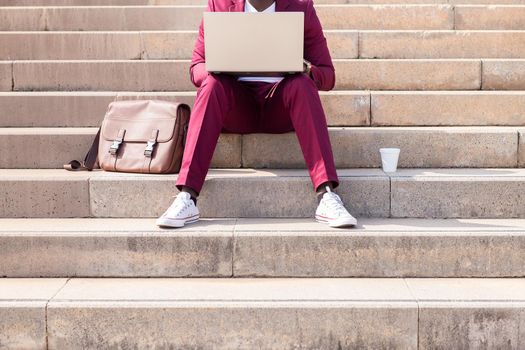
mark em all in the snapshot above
pixel 389 158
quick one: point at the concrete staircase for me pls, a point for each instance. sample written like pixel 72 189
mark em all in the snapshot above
pixel 436 262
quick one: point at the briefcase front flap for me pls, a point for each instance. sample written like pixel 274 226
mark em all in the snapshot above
pixel 138 118
pixel 138 130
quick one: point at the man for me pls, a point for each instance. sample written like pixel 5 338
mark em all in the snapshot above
pixel 268 103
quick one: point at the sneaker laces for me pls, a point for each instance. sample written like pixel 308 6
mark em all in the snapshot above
pixel 179 204
pixel 334 202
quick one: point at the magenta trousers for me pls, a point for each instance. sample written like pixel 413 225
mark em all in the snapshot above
pixel 226 105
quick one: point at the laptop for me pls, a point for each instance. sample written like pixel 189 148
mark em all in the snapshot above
pixel 248 43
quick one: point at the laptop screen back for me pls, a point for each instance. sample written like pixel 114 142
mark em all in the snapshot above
pixel 239 42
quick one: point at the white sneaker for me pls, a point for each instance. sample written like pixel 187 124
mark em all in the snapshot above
pixel 332 211
pixel 182 211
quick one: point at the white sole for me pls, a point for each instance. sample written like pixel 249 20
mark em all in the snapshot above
pixel 167 222
pixel 344 222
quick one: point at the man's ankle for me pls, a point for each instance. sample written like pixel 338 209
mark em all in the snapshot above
pixel 192 192
pixel 321 189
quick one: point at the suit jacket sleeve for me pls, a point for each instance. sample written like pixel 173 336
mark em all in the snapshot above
pixel 198 71
pixel 316 51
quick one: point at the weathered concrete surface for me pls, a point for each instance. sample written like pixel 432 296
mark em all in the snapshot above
pixel 453 193
pixel 473 313
pixel 235 313
pixel 179 45
pixel 465 325
pixel 408 74
pixel 404 16
pixel 6 76
pixel 352 147
pixel 386 17
pixel 240 313
pixel 84 109
pixel 380 248
pixel 23 325
pixel 69 45
pixel 43 193
pixel 161 75
pixel 165 75
pixel 115 247
pixel 132 45
pixel 357 147
pixel 493 17
pixel 442 44
pixel 521 149
pixel 508 74
pixel 414 108
pixel 263 247
pixel 23 311
pixel 365 191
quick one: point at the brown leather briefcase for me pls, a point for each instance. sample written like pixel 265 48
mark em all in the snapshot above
pixel 139 136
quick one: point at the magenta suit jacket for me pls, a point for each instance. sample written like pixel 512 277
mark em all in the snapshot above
pixel 315 46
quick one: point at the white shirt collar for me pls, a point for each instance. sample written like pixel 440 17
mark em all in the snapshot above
pixel 249 8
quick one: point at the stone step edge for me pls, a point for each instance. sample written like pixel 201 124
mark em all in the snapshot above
pixel 401 313
pixel 412 227
pixel 62 174
pixel 288 289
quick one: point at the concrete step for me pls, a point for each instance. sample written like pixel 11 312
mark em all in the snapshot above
pixel 343 44
pixel 492 17
pixel 415 193
pixel 79 109
pixel 352 74
pixel 342 108
pixel 393 16
pixel 250 313
pixel 187 17
pixel 353 147
pixel 140 45
pixel 262 248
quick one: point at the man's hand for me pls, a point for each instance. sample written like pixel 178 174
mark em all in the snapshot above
pixel 307 67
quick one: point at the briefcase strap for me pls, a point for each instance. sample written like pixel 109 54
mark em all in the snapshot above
pixel 90 160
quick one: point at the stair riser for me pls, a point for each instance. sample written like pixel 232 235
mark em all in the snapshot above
pixel 503 74
pixel 456 199
pixel 250 313
pixel 369 197
pixel 88 109
pixel 521 149
pixel 403 17
pixel 128 45
pixel 367 193
pixel 384 17
pixel 6 76
pixel 69 254
pixel 309 325
pixel 446 44
pixel 260 254
pixel 342 44
pixel 420 148
pixel 426 255
pixel 492 17
pixel 451 326
pixel 356 74
pixel 23 324
pixel 352 148
pixel 342 108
